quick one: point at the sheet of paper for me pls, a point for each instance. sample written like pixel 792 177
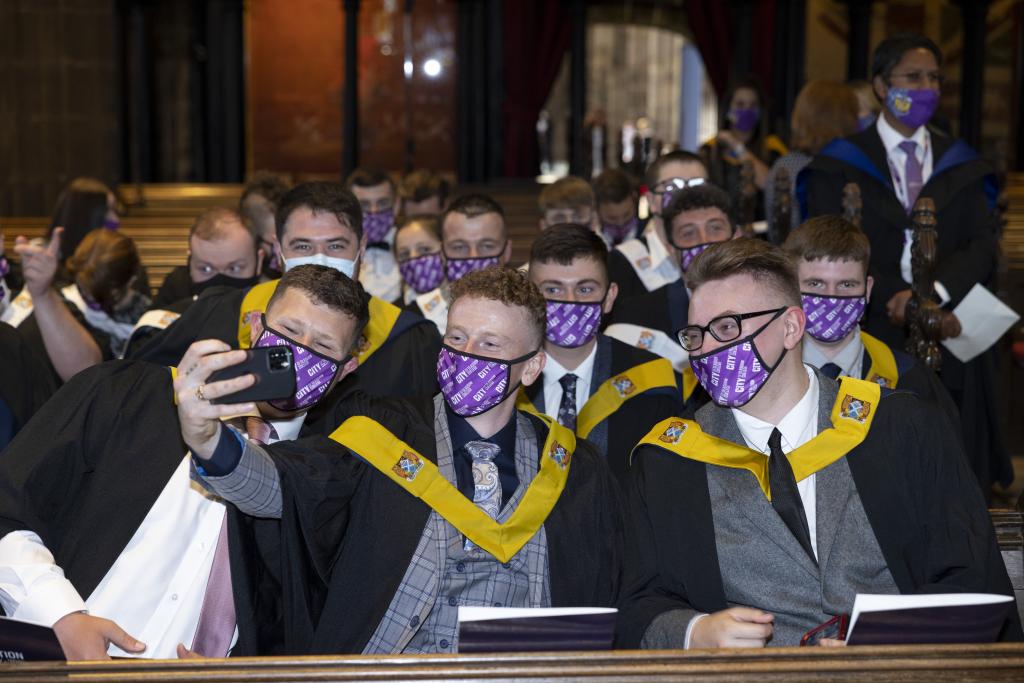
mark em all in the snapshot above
pixel 984 319
pixel 486 613
pixel 869 602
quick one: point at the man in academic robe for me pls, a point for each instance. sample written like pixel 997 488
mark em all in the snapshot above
pixel 413 509
pixel 222 252
pixel 831 256
pixel 378 197
pixel 103 533
pixel 647 263
pixel 895 162
pixel 474 236
pixel 608 392
pixel 320 223
pixel 790 493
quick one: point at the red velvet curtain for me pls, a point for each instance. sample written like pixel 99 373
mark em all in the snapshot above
pixel 536 38
pixel 711 22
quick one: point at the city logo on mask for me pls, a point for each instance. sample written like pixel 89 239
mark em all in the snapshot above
pixel 854 409
pixel 623 385
pixel 879 380
pixel 408 466
pixel 646 340
pixel 675 431
pixel 560 455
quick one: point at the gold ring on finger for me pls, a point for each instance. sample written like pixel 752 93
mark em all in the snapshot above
pixel 199 392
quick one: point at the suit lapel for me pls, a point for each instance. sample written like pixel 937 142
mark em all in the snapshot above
pixel 871 143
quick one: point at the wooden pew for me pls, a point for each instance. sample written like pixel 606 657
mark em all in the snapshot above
pixel 1000 662
pixel 1009 526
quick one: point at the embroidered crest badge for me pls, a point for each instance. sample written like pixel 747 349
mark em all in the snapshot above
pixel 623 385
pixel 855 409
pixel 364 344
pixel 560 455
pixel 646 340
pixel 673 433
pixel 643 263
pixel 408 466
pixel 434 302
pixel 880 381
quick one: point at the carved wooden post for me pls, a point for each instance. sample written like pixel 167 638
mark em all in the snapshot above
pixel 782 211
pixel 748 198
pixel 852 203
pixel 923 315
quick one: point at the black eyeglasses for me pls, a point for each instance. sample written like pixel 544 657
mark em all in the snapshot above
pixel 918 78
pixel 674 184
pixel 724 328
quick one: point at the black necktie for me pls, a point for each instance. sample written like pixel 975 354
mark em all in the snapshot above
pixel 830 370
pixel 785 496
pixel 567 408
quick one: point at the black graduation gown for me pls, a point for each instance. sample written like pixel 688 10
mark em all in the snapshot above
pixel 177 286
pixel 404 366
pixel 666 308
pixel 348 532
pixel 631 422
pixel 33 337
pixel 963 188
pixel 25 383
pixel 924 507
pixel 87 469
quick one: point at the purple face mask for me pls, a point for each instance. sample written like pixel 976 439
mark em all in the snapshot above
pixel 422 273
pixel 733 374
pixel 744 120
pixel 89 301
pixel 313 372
pixel 457 268
pixel 913 108
pixel 473 384
pixel 111 223
pixel 831 318
pixel 687 254
pixel 376 225
pixel 617 233
pixel 572 324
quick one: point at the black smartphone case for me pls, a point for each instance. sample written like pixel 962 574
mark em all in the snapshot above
pixel 275 376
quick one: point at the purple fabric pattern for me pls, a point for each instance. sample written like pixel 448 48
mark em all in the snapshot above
pixel 831 318
pixel 616 234
pixel 376 225
pixel 913 108
pixel 690 253
pixel 472 384
pixel 422 273
pixel 457 268
pixel 313 372
pixel 744 120
pixel 572 324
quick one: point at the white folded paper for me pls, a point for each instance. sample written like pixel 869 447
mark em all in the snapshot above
pixel 487 613
pixel 984 319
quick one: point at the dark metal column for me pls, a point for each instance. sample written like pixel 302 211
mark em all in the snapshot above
pixel 859 42
pixel 577 85
pixel 972 78
pixel 350 96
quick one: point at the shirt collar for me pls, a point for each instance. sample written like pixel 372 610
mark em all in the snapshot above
pixel 846 359
pixel 553 370
pixel 796 426
pixel 288 430
pixel 462 433
pixel 891 138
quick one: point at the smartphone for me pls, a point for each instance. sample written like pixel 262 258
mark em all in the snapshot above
pixel 274 371
pixel 834 628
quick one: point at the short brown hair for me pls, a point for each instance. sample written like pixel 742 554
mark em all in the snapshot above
pixel 823 111
pixel 368 177
pixel 828 237
pixel 766 263
pixel 566 193
pixel 422 184
pixel 330 288
pixel 209 225
pixel 613 185
pixel 566 242
pixel 104 264
pixel 508 286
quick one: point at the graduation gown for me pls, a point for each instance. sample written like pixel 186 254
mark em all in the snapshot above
pixel 637 414
pixel 25 383
pixel 964 190
pixel 924 508
pixel 404 365
pixel 33 338
pixel 85 471
pixel 177 286
pixel 348 532
pixel 622 272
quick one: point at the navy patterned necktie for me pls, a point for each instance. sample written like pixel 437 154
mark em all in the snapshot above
pixel 567 408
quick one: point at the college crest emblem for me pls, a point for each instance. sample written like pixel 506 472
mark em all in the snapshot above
pixel 560 455
pixel 623 385
pixel 408 466
pixel 855 409
pixel 643 263
pixel 673 433
pixel 364 344
pixel 646 340
pixel 434 302
pixel 880 381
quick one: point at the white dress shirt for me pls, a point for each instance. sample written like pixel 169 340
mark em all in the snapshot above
pixel 156 586
pixel 897 158
pixel 554 371
pixel 850 358
pixel 379 273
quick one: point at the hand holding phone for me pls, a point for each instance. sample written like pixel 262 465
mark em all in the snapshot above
pixel 273 368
